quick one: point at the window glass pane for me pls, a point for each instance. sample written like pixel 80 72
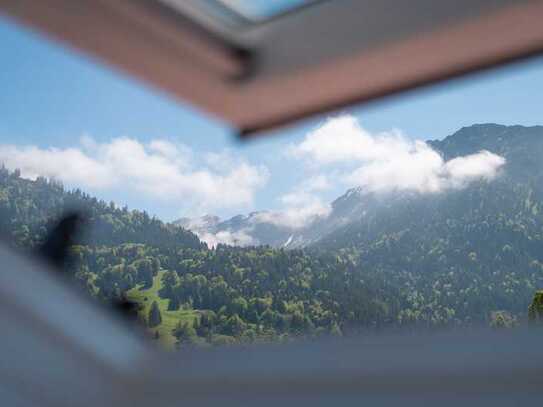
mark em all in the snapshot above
pixel 422 212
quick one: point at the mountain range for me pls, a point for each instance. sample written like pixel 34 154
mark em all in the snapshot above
pixel 467 254
pixel 366 213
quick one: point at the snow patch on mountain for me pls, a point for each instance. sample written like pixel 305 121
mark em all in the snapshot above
pixel 289 240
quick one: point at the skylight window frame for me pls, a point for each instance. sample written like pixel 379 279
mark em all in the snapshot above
pixel 265 76
pixel 251 22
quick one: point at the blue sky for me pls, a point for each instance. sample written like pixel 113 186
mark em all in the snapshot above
pixel 63 110
pixel 261 9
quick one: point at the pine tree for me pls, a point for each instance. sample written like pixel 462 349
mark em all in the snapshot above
pixel 155 318
pixel 535 310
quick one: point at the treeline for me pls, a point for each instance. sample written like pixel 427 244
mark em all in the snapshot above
pixel 260 293
pixel 238 293
pixel 29 208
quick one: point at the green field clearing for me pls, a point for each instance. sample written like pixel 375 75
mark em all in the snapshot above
pixel 145 297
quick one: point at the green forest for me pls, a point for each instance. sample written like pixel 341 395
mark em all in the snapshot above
pixel 472 257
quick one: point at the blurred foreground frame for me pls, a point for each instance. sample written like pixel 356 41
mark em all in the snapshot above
pixel 55 251
pixel 257 76
pixel 79 355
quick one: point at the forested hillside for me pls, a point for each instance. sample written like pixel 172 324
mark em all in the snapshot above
pixel 29 208
pixel 466 256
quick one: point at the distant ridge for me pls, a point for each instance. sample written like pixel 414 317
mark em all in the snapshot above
pixel 521 146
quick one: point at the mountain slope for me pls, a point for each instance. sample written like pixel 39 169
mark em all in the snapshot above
pixel 517 194
pixel 368 214
pixel 410 260
pixel 28 208
pixel 240 230
pixel 436 259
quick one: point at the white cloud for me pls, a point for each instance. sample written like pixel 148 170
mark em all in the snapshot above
pixel 390 161
pixel 160 170
pixel 300 208
pixel 70 165
pixel 318 183
pixel 341 140
pixel 462 170
pixel 180 154
pixel 237 238
pixel 220 161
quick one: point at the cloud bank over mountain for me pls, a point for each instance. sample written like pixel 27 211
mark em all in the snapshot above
pixel 160 170
pixel 342 152
pixel 337 155
pixel 388 161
